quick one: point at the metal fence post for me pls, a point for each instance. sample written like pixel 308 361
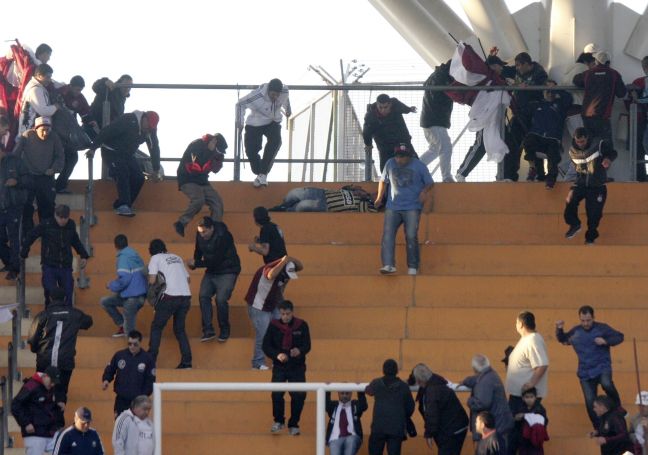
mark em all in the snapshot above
pixel 632 142
pixel 157 418
pixel 88 219
pixel 320 412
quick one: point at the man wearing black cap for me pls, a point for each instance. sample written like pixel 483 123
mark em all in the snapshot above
pixel 79 439
pixel 270 243
pixel 203 156
pixel 119 141
pixel 38 410
pixel 265 105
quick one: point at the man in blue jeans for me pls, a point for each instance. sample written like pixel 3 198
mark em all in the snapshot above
pixel 129 289
pixel 592 340
pixel 408 181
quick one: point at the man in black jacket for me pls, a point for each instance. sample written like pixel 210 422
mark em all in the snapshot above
pixel 435 121
pixel 37 411
pixel 384 123
pixel 53 336
pixel 215 250
pixel 58 237
pixel 344 430
pixel 105 91
pixel 591 157
pixel 393 407
pixel 119 142
pixel 202 156
pixel 446 422
pixel 133 370
pixel 287 342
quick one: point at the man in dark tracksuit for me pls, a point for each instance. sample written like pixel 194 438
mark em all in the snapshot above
pixel 592 157
pixel 287 342
pixel 525 73
pixel 58 237
pixel 79 439
pixel 119 142
pixel 13 179
pixel 215 250
pixel 133 370
pixel 393 406
pixel 601 84
pixel 384 123
pixel 53 336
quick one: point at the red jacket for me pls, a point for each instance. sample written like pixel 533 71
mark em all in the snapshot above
pixel 601 85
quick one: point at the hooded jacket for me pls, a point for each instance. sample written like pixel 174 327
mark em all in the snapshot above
pixel 488 394
pixel 588 162
pixel 53 335
pixel 549 116
pixel 217 253
pixel 115 97
pixel 36 102
pixel 601 85
pixel 198 161
pixel 131 278
pixel 56 243
pixel 437 106
pixel 36 405
pixel 442 412
pixel 388 130
pixel 263 110
pixel 393 405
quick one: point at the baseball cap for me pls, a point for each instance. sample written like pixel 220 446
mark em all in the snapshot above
pixel 290 270
pixel 84 414
pixel 42 121
pixel 602 57
pixel 54 374
pixel 153 119
pixel 642 398
pixel 402 150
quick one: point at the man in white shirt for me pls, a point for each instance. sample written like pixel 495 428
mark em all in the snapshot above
pixel 175 301
pixel 344 431
pixel 36 101
pixel 133 433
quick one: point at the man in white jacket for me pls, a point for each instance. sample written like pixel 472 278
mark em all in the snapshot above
pixel 36 100
pixel 265 105
pixel 133 433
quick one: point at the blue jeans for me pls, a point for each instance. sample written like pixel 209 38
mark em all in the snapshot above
pixel 53 277
pixel 260 320
pixel 305 200
pixel 347 445
pixel 131 306
pixel 590 391
pixel 393 219
pixel 220 286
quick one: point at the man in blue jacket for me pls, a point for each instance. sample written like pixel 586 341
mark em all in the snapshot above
pixel 592 340
pixel 79 439
pixel 129 288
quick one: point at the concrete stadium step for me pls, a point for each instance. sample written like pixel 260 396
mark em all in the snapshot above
pixel 532 292
pixel 76 201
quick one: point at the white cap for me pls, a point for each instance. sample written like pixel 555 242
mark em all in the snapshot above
pixel 290 270
pixel 602 57
pixel 42 121
pixel 644 398
pixel 591 48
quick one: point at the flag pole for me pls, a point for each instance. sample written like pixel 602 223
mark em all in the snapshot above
pixel 636 364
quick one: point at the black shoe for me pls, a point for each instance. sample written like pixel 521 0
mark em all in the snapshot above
pixel 63 191
pixel 532 175
pixel 184 366
pixel 207 337
pixel 278 208
pixel 224 335
pixel 589 241
pixel 179 228
pixel 11 276
pixel 550 183
pixel 573 230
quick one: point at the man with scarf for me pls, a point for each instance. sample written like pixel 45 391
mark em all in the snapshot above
pixel 202 156
pixel 286 342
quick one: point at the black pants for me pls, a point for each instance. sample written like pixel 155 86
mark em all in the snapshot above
pixel 178 307
pixel 71 159
pixel 281 374
pixel 452 445
pixel 254 141
pixel 386 151
pixel 599 127
pixel 594 202
pixel 534 145
pixel 9 238
pixel 121 404
pixel 515 435
pixel 125 170
pixel 474 155
pixel 41 188
pixel 514 135
pixel 61 389
pixel 378 442
pixel 641 152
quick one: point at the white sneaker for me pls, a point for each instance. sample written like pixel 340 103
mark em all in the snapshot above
pixel 263 179
pixel 387 269
pixel 449 179
pixel 257 181
pixel 294 431
pixel 460 178
pixel 412 271
pixel 261 368
pixel 277 427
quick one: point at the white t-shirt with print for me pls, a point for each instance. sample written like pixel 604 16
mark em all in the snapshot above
pixel 173 268
pixel 530 352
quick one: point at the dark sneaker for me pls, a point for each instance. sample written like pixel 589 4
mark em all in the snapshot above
pixel 63 191
pixel 179 228
pixel 119 333
pixel 589 241
pixel 124 210
pixel 207 337
pixel 531 176
pixel 184 366
pixel 573 230
pixel 224 335
pixel 550 183
pixel 11 276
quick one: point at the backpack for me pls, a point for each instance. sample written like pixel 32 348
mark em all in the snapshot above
pixel 156 290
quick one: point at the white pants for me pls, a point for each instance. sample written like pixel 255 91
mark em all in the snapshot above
pixel 439 146
pixel 35 445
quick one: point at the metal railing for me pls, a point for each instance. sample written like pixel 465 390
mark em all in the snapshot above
pixel 319 387
pixel 5 411
pixel 88 219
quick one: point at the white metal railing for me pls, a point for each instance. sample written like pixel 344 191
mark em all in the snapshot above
pixel 319 387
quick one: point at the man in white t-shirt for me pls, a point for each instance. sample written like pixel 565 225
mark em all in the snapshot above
pixel 527 367
pixel 175 301
pixel 133 432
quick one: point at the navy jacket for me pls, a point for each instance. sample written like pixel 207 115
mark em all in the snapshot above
pixel 358 407
pixel 525 101
pixel 393 405
pixel 134 374
pixel 74 442
pixel 592 358
pixel 549 117
pixel 488 394
pixel 56 243
pixel 442 412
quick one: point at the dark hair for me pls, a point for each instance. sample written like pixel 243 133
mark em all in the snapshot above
pixel 644 60
pixel 487 418
pixel 286 305
pixel 261 215
pixel 42 48
pixel 383 98
pixel 586 309
pixel 275 85
pixel 57 294
pixel 523 57
pixel 206 222
pixel 605 401
pixel 532 391
pixel 43 70
pixel 527 319
pixel 390 367
pixel 581 131
pixel 157 246
pixel 135 334
pixel 586 57
pixel 121 241
pixel 62 211
pixel 77 81
pixel 123 77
